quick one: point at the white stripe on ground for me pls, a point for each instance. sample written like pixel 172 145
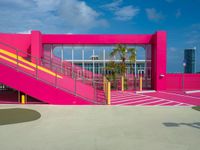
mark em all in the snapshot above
pixel 149 91
pixel 133 102
pixel 181 104
pixel 150 103
pixel 125 100
pixel 122 93
pixel 167 99
pixel 193 91
pixel 186 105
pixel 163 104
pixel 179 94
pixel 122 99
pixel 147 97
pixel 125 97
pixel 178 104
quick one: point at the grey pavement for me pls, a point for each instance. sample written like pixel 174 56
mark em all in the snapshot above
pixel 99 128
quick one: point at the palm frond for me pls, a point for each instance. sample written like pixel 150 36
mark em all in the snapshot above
pixel 132 52
pixel 114 52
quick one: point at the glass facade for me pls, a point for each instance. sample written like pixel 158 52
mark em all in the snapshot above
pixel 93 59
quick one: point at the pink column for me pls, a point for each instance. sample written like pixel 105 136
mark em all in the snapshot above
pixel 36 46
pixel 159 60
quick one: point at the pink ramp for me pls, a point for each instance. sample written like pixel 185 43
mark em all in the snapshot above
pixel 37 88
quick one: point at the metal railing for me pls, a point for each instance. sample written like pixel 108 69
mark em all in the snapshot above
pixel 54 74
pixel 66 69
pixel 87 76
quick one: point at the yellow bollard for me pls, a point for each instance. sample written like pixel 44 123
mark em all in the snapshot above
pixel 23 99
pixel 122 80
pixel 106 90
pixel 140 83
pixel 108 93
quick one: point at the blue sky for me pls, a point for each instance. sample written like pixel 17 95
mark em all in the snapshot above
pixel 180 18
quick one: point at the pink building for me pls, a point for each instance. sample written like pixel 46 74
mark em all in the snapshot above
pixel 28 64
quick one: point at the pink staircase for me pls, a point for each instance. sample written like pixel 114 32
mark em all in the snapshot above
pixel 50 86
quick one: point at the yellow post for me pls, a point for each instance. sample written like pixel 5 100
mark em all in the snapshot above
pixel 140 83
pixel 23 99
pixel 122 80
pixel 108 93
pixel 106 90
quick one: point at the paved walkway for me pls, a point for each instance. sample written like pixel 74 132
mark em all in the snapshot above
pixel 160 98
pixel 98 128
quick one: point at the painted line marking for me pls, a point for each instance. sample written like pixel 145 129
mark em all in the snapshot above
pixel 156 103
pixel 193 91
pixel 173 101
pixel 134 102
pixel 122 98
pixel 147 97
pixel 116 101
pixel 163 104
pixel 179 104
pixel 179 95
pixel 166 99
pixel 151 102
pixel 149 91
pixel 14 62
pixel 12 55
pixel 133 94
pixel 127 95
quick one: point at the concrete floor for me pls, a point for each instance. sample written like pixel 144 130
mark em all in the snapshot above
pixel 101 128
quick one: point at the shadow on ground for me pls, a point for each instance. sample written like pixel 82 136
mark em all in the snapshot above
pixel 172 124
pixel 196 108
pixel 17 115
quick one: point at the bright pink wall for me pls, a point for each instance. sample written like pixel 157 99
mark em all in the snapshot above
pixel 159 60
pixel 174 81
pixel 96 39
pixel 36 45
pixel 19 41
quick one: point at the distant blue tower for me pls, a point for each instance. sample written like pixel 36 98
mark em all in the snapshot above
pixel 189 57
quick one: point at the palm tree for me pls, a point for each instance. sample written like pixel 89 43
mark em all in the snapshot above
pixel 111 72
pixel 124 53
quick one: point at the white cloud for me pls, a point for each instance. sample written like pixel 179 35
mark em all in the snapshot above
pixel 153 15
pixel 114 5
pixel 47 5
pixel 126 13
pixel 79 14
pixel 122 13
pixel 25 32
pixel 16 3
pixel 178 13
pixel 53 16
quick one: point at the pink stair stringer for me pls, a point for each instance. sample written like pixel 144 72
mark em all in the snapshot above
pixel 38 89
